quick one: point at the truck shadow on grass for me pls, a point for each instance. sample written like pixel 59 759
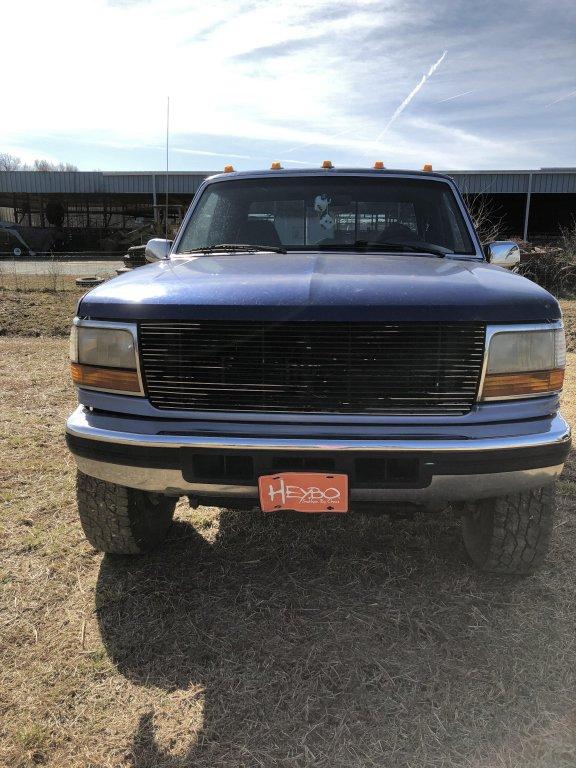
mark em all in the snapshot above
pixel 344 642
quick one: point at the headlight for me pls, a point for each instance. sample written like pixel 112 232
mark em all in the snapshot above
pixel 108 347
pixel 524 363
pixel 104 357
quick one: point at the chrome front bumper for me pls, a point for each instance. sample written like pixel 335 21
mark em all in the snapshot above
pixel 139 454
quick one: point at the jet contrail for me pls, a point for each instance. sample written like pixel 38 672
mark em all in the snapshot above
pixel 562 98
pixel 454 97
pixel 410 96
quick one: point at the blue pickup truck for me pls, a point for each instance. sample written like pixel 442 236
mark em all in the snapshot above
pixel 325 341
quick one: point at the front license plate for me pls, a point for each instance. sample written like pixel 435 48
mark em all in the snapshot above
pixel 304 492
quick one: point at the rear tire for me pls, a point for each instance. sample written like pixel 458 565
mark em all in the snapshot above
pixel 122 520
pixel 510 534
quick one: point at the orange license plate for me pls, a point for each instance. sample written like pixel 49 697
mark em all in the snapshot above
pixel 303 492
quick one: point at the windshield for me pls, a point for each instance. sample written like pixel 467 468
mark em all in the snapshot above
pixel 310 213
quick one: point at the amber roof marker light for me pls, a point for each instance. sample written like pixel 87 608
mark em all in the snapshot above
pixel 427 167
pixel 228 169
pixel 276 166
pixel 378 165
pixel 327 164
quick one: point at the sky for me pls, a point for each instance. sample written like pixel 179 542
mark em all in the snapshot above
pixel 456 83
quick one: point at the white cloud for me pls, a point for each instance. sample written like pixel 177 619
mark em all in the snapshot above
pixel 253 79
pixel 108 69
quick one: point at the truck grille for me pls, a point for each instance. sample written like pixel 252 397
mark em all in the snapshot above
pixel 312 367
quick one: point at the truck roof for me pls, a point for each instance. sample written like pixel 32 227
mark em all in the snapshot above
pixel 330 172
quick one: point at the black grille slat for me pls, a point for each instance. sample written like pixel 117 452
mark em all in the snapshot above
pixel 314 367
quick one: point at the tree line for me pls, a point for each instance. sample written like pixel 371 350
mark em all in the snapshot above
pixel 10 162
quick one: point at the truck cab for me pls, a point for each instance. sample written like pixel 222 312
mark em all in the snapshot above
pixel 326 341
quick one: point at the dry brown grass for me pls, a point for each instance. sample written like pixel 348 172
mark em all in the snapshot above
pixel 569 314
pixel 37 305
pixel 22 279
pixel 276 641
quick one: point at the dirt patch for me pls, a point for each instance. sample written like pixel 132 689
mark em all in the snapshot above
pixel 264 641
pixel 37 313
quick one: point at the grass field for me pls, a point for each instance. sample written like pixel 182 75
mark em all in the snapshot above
pixel 252 641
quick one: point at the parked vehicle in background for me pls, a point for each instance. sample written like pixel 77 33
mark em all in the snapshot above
pixel 12 243
pixel 134 257
pixel 324 341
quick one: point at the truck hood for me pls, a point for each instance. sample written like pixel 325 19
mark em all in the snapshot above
pixel 321 286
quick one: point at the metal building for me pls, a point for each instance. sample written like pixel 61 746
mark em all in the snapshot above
pixel 97 211
pixel 530 203
pixel 92 210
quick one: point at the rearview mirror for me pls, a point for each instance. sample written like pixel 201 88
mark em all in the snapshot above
pixel 157 249
pixel 503 253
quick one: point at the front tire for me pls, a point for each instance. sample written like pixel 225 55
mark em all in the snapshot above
pixel 510 534
pixel 122 520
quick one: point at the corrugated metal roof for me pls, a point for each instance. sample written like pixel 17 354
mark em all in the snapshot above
pixel 97 182
pixel 554 182
pixel 551 181
pixel 470 182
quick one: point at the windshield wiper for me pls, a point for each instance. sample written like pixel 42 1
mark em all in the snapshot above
pixel 229 247
pixel 364 245
pixel 405 247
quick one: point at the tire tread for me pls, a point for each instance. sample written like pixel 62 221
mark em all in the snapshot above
pixel 510 534
pixel 120 520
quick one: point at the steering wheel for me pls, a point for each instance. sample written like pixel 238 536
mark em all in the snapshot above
pixel 398 232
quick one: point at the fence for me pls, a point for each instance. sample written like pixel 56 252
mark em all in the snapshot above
pixel 56 271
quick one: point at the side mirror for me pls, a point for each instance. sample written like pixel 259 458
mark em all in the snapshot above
pixel 503 254
pixel 157 249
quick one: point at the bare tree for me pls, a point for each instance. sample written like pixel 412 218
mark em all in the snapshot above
pixel 9 163
pixel 487 222
pixel 53 271
pixel 568 239
pixel 46 165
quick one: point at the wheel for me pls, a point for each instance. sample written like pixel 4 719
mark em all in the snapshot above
pixel 122 520
pixel 510 534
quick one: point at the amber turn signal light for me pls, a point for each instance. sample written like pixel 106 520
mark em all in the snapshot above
pixel 117 379
pixel 502 385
